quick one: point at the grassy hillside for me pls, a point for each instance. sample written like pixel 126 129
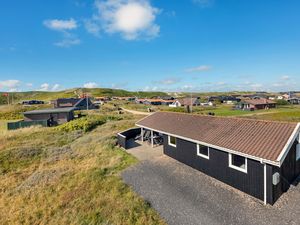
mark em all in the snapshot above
pixel 281 113
pixel 94 92
pixel 68 176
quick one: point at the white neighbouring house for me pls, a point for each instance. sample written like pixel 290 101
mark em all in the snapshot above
pixel 207 104
pixel 185 102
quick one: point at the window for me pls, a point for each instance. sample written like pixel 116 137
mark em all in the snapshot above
pixel 203 151
pixel 172 141
pixel 297 152
pixel 238 162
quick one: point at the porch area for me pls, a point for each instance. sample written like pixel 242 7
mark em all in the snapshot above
pixel 142 143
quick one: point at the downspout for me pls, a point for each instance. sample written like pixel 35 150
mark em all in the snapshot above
pixel 265 183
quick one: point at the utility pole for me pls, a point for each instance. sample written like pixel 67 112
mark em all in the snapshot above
pixel 87 102
pixel 191 102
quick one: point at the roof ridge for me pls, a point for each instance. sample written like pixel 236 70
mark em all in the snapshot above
pixel 231 117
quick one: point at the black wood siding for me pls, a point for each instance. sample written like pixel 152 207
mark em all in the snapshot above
pixel 217 166
pixel 126 135
pixel 289 171
pixel 58 118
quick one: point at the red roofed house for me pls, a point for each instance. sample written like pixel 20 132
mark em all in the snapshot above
pixel 255 104
pixel 260 158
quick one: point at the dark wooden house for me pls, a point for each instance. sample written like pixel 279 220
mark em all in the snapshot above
pixel 78 103
pixel 32 102
pixel 256 104
pixel 260 158
pixel 53 116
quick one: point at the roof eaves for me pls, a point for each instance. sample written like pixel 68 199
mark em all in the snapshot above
pixel 261 160
pixel 289 144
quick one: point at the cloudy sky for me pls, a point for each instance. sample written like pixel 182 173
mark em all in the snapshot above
pixel 182 45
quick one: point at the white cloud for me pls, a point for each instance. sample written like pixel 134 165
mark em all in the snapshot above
pixel 256 87
pixel 64 27
pixel 148 88
pixel 119 85
pixel 61 25
pixel 221 83
pixel 92 27
pixel 204 3
pixel 133 19
pixel 285 77
pixel 187 87
pixel 67 42
pixel 44 87
pixel 199 69
pixel 49 87
pixel 10 84
pixel 170 13
pixel 168 81
pixel 56 87
pixel 90 85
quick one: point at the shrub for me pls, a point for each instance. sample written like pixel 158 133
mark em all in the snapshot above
pixel 282 102
pixel 86 124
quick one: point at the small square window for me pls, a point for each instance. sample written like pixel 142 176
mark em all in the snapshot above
pixel 238 162
pixel 203 151
pixel 172 141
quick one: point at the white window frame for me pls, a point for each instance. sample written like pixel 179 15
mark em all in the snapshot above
pixel 244 170
pixel 200 154
pixel 298 152
pixel 169 141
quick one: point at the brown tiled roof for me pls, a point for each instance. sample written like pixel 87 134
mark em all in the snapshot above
pixel 261 101
pixel 187 101
pixel 257 138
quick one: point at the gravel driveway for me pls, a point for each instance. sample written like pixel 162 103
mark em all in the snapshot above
pixel 182 195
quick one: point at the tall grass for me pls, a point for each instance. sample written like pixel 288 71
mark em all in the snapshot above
pixel 49 176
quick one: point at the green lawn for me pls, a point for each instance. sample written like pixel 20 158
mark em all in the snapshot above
pixel 69 176
pixel 283 113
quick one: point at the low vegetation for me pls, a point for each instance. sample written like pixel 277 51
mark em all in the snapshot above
pixel 50 176
pixel 14 112
pixel 86 123
pixel 282 112
pixel 75 92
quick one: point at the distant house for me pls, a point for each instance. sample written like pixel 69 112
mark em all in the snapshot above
pixel 207 104
pixel 229 100
pixel 224 99
pixel 131 98
pixel 185 101
pixel 166 97
pixel 167 102
pixel 256 104
pixel 103 98
pixel 260 158
pixel 78 103
pixel 32 102
pixel 153 102
pixel 212 98
pixel 140 100
pixel 53 116
pixel 294 100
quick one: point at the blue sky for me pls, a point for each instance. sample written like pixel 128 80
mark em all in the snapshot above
pixel 187 45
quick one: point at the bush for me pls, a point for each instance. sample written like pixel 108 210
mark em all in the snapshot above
pixel 15 112
pixel 282 102
pixel 86 124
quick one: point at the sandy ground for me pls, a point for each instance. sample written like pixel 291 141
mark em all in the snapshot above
pixel 183 195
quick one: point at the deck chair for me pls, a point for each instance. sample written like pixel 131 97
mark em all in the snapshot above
pixel 147 135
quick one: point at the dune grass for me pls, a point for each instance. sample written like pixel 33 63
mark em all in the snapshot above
pixel 48 176
pixel 288 114
pixel 282 112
